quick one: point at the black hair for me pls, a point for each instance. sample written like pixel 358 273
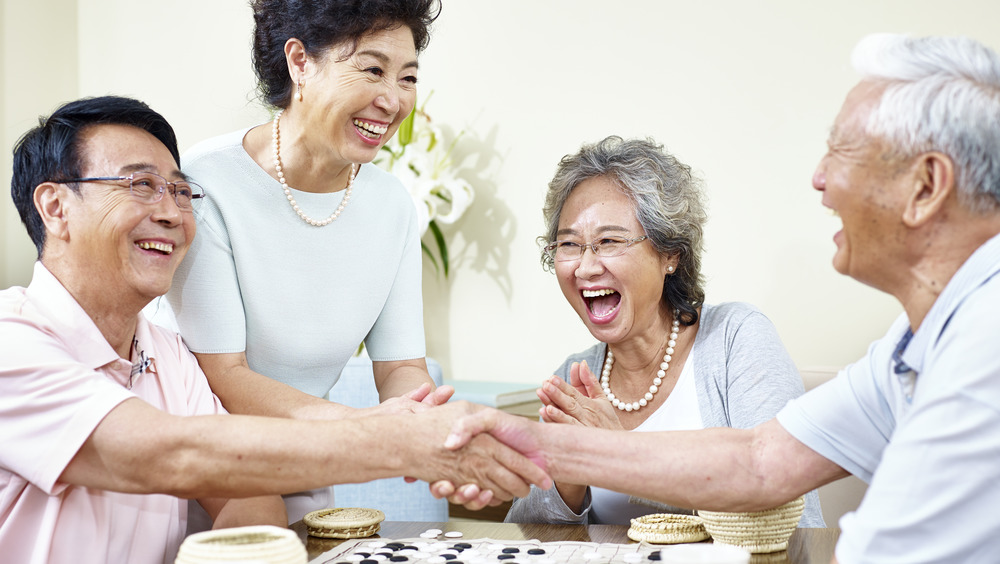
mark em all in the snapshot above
pixel 321 24
pixel 54 150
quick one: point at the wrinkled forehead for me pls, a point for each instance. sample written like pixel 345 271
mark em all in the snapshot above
pixel 852 120
pixel 113 149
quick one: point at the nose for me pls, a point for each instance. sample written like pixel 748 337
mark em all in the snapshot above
pixel 819 176
pixel 166 210
pixel 388 100
pixel 590 264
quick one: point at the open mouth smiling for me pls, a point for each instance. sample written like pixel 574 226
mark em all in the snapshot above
pixel 601 303
pixel 162 248
pixel 370 130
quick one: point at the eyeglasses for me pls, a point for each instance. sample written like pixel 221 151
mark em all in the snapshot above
pixel 564 251
pixel 148 188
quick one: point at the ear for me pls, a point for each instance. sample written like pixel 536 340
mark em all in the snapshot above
pixel 934 184
pixel 296 58
pixel 51 202
pixel 668 264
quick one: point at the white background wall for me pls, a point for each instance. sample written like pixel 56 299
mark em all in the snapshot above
pixel 744 92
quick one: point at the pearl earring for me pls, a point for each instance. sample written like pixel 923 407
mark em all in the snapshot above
pixel 670 269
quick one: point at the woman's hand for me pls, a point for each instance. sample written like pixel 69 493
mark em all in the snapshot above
pixel 580 402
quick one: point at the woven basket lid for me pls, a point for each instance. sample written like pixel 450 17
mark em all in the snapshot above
pixel 263 543
pixel 343 522
pixel 667 528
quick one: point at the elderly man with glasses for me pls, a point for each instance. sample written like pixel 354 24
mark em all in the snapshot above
pixel 107 422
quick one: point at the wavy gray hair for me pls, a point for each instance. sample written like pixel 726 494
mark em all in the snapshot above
pixel 943 95
pixel 668 203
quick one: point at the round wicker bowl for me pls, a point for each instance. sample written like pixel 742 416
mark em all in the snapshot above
pixel 756 531
pixel 262 543
pixel 667 528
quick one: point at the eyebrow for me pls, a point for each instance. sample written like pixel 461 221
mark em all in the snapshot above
pixel 384 59
pixel 601 229
pixel 147 167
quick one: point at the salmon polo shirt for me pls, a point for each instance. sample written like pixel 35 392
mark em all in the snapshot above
pixel 59 378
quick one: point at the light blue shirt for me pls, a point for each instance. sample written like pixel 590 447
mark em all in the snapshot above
pixel 927 439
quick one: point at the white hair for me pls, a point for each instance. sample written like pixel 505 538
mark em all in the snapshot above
pixel 943 95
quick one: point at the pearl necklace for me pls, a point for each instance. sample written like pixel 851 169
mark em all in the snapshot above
pixel 609 362
pixel 275 142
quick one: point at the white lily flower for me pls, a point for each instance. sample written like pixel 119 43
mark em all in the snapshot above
pixel 459 192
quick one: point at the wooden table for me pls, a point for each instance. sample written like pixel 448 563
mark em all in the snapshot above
pixel 807 546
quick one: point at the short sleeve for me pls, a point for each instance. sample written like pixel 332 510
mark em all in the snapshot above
pixel 49 403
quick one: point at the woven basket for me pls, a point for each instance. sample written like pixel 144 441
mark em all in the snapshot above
pixel 262 543
pixel 756 531
pixel 667 528
pixel 343 522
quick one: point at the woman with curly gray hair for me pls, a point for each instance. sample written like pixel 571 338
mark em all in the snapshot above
pixel 624 223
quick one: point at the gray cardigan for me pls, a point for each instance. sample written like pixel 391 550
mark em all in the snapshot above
pixel 743 377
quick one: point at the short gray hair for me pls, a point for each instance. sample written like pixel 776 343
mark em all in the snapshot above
pixel 667 200
pixel 943 94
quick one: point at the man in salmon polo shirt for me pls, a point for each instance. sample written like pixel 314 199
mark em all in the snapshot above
pixel 913 171
pixel 107 423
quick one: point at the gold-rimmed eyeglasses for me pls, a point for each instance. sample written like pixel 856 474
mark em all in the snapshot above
pixel 564 251
pixel 149 188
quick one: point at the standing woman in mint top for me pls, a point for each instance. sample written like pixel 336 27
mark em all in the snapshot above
pixel 304 248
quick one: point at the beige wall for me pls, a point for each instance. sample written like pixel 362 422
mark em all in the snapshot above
pixel 38 70
pixel 742 91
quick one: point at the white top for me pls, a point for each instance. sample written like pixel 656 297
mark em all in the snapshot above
pixel 59 378
pixel 297 299
pixel 927 439
pixel 679 412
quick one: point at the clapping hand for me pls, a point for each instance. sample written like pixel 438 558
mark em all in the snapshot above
pixel 581 401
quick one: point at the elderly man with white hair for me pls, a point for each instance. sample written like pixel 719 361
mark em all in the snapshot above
pixel 913 171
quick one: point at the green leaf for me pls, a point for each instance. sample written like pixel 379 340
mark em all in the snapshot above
pixel 442 245
pixel 427 251
pixel 405 133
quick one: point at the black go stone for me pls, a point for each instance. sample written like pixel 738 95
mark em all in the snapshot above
pixel 654 555
pixel 398 559
pixel 505 557
pixel 449 556
pixel 535 551
pixel 511 550
pixel 369 561
pixel 463 545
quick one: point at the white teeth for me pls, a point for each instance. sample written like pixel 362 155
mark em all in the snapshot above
pixel 162 247
pixel 371 127
pixel 598 293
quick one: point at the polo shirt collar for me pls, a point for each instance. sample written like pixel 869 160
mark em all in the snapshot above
pixel 982 265
pixel 77 329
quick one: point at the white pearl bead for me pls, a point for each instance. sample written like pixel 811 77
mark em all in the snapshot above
pixel 609 366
